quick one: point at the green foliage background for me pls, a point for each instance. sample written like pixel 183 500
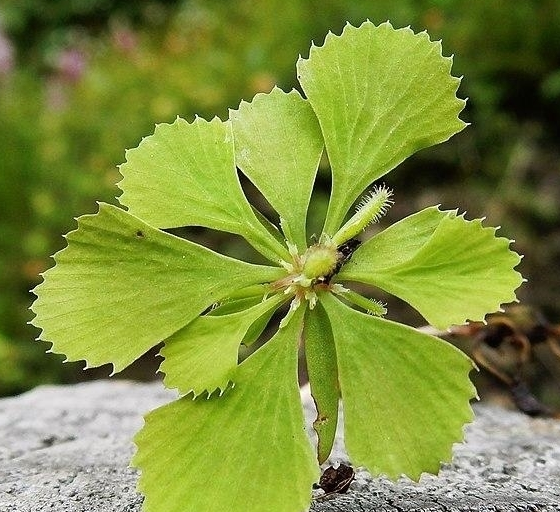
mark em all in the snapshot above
pixel 81 81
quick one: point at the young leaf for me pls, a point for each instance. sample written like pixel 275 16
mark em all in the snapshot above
pixel 121 286
pixel 246 450
pixel 320 356
pixel 278 144
pixel 451 270
pixel 380 95
pixel 203 355
pixel 184 175
pixel 405 394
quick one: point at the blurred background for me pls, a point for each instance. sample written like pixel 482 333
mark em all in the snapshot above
pixel 82 80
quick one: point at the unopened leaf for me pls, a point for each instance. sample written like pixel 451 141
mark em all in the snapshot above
pixel 320 356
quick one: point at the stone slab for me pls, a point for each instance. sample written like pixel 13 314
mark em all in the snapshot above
pixel 66 449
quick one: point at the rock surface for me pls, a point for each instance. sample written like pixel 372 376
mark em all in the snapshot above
pixel 67 449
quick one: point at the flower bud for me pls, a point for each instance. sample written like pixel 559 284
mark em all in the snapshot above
pixel 371 209
pixel 320 260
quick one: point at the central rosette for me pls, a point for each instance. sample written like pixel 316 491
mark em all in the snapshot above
pixel 319 261
pixel 314 267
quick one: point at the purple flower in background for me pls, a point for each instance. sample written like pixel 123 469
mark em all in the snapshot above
pixel 71 64
pixel 124 40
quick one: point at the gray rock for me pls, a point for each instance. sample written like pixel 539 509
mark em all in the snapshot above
pixel 67 449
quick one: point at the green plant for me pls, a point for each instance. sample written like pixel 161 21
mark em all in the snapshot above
pixel 236 440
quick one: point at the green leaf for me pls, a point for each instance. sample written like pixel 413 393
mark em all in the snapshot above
pixel 399 242
pixel 121 286
pixel 449 269
pixel 278 145
pixel 405 394
pixel 184 175
pixel 202 356
pixel 246 450
pixel 320 356
pixel 380 95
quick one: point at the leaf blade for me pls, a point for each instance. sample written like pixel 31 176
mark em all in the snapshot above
pixel 397 243
pixel 278 145
pixel 189 168
pixel 392 94
pixel 181 450
pixel 455 270
pixel 121 279
pixel 203 355
pixel 405 394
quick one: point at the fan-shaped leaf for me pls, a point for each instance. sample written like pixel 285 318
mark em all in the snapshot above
pixel 380 95
pixel 449 269
pixel 278 144
pixel 405 394
pixel 121 286
pixel 246 450
pixel 202 356
pixel 184 175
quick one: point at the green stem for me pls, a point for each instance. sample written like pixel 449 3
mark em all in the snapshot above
pixel 371 306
